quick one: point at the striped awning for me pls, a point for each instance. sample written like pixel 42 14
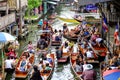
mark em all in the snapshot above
pixel 85 2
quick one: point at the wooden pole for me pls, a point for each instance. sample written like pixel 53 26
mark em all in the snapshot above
pixel 3 65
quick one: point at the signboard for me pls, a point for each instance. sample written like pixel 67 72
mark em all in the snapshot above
pixel 12 4
pixel 85 2
pixel 6 20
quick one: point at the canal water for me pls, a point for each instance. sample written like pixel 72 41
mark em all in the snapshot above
pixel 61 71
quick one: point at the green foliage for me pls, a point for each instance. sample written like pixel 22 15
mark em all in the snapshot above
pixel 34 3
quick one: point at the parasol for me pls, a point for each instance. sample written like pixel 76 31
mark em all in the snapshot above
pixel 112 74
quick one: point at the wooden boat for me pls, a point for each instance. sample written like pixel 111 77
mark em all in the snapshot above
pixel 18 73
pixel 45 33
pixel 73 58
pixel 69 37
pixel 69 20
pixel 48 75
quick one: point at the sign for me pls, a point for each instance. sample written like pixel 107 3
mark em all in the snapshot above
pixel 6 20
pixel 85 2
pixel 12 4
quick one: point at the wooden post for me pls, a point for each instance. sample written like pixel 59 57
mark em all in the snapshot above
pixel 3 65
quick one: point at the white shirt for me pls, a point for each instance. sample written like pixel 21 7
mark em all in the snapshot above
pixel 8 63
pixel 65 50
pixel 98 40
pixel 89 54
pixel 40 67
pixel 84 67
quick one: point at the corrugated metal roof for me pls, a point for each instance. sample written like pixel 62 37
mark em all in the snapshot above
pixel 85 2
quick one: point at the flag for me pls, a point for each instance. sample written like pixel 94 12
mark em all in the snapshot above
pixel 116 35
pixel 104 24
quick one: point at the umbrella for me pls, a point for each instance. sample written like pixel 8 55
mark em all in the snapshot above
pixel 5 37
pixel 111 74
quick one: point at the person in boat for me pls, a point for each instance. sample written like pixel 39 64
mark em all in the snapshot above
pixel 50 28
pixel 36 74
pixel 41 44
pixel 59 52
pixel 30 47
pixel 78 67
pixel 40 23
pixel 26 53
pixel 11 53
pixel 65 48
pixel 89 54
pixel 23 64
pixel 65 28
pixel 47 67
pixel 89 73
pixel 49 59
pixel 54 35
pixel 40 65
pixel 114 62
pixel 8 65
pixel 60 34
pixel 75 48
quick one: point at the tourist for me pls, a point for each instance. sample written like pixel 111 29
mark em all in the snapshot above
pixel 36 74
pixel 89 73
pixel 78 67
pixel 23 64
pixel 8 65
pixel 49 58
pixel 114 62
pixel 40 65
pixel 58 52
pixel 47 68
pixel 41 44
pixel 30 47
pixel 90 54
pixel 40 23
pixel 11 53
pixel 26 53
pixel 65 28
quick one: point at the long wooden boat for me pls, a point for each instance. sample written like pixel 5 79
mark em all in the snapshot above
pixel 48 75
pixel 23 75
pixel 69 37
pixel 73 58
pixel 48 33
pixel 68 20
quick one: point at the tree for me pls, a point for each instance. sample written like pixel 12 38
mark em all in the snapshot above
pixel 33 4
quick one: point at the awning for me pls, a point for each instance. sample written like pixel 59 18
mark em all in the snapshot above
pixel 51 2
pixel 85 2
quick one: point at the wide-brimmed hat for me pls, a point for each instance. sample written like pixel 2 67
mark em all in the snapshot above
pixel 89 66
pixel 48 56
